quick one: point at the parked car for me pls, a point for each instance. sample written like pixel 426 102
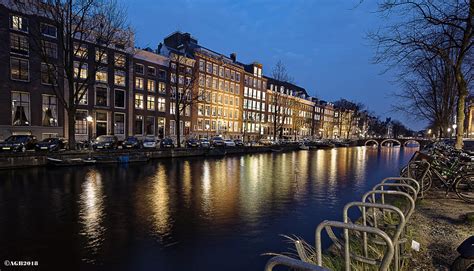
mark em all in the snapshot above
pixel 229 143
pixel 18 143
pixel 217 141
pixel 266 142
pixel 51 144
pixel 131 142
pixel 238 142
pixel 192 143
pixel 150 142
pixel 105 142
pixel 167 143
pixel 204 143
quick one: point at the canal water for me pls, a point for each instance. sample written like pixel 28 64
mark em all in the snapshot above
pixel 181 214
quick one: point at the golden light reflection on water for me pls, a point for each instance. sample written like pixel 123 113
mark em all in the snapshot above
pixel 159 199
pixel 91 214
pixel 244 189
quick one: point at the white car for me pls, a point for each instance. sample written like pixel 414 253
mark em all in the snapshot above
pixel 229 143
pixel 149 142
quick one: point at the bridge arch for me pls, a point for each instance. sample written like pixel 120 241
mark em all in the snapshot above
pixel 390 140
pixel 371 141
pixel 411 141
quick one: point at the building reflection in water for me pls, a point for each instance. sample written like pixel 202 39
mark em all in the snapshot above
pixel 91 214
pixel 159 200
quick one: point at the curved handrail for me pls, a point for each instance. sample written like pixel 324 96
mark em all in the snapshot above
pixel 293 263
pixel 364 205
pixel 401 179
pixel 389 252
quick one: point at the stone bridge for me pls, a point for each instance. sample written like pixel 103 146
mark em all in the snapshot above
pixel 393 142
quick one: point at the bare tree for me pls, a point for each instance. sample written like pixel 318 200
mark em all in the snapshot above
pixel 348 114
pixel 79 23
pixel 429 92
pixel 184 91
pixel 281 104
pixel 442 28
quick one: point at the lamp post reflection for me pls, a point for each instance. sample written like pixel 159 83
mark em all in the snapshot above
pixel 91 214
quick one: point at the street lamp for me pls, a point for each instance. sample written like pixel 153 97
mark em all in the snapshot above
pixel 454 128
pixel 449 132
pixel 89 127
pixel 207 129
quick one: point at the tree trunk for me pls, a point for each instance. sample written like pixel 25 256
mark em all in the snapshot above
pixel 177 125
pixel 71 128
pixel 460 117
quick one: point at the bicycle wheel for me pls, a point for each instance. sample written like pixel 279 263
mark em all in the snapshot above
pixel 464 187
pixel 417 174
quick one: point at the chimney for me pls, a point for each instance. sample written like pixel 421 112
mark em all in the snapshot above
pixel 158 50
pixel 233 56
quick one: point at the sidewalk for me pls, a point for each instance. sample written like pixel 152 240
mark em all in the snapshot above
pixel 439 223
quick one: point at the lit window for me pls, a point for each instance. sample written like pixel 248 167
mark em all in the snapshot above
pixel 80 70
pixel 119 78
pixel 139 83
pixel 18 23
pixel 50 110
pixel 80 50
pixel 101 75
pixel 151 85
pixel 119 60
pixel 139 103
pixel 20 109
pixel 161 105
pixel 101 56
pixel 150 104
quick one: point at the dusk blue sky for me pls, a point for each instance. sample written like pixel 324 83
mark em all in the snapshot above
pixel 322 42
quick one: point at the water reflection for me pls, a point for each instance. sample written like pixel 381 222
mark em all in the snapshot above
pixel 153 216
pixel 91 214
pixel 159 199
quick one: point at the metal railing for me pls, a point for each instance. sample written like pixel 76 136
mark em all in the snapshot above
pixel 373 207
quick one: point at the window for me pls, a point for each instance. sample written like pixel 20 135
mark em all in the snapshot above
pixel 161 127
pixel 18 23
pixel 150 103
pixel 138 125
pixel 237 76
pixel 201 65
pixel 101 75
pixel 101 56
pixel 80 70
pixel 119 78
pixel 209 67
pixel 50 49
pixel 81 122
pixel 19 69
pixel 119 60
pixel 119 123
pixel 151 85
pixel 162 74
pixel 101 96
pixel 19 44
pixel 150 126
pixel 227 73
pixel 139 83
pixel 161 105
pixel 20 109
pixel 215 69
pixel 48 74
pixel 80 50
pixel 119 98
pixel 139 104
pixel 172 108
pixel 139 69
pixel 161 87
pixel 50 110
pixel 172 127
pixel 81 95
pixel 48 30
pixel 221 71
pixel 151 71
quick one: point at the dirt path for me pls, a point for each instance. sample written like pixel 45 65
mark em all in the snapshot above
pixel 440 225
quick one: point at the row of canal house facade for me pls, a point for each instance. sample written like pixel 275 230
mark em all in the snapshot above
pixel 133 93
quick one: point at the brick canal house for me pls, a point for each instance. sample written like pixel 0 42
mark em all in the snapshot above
pixel 151 103
pixel 133 91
